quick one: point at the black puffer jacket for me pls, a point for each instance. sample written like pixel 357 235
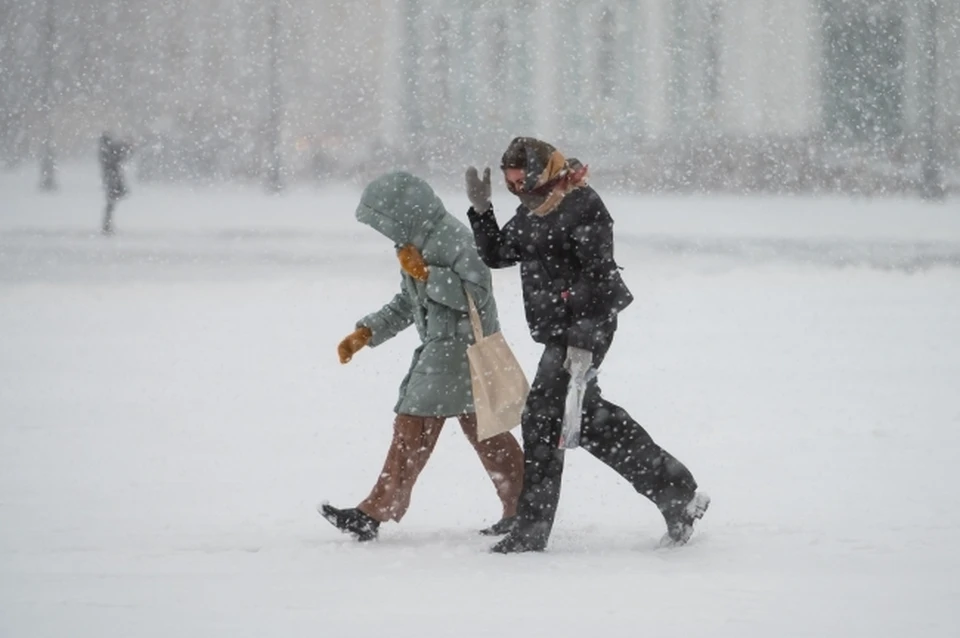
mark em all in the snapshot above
pixel 572 289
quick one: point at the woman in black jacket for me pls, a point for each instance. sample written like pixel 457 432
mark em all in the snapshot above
pixel 562 237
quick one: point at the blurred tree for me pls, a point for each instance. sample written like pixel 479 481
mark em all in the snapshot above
pixel 411 70
pixel 274 130
pixel 48 164
pixel 932 184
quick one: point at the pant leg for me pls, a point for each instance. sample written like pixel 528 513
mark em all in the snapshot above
pixel 108 216
pixel 616 439
pixel 502 458
pixel 542 459
pixel 610 434
pixel 413 441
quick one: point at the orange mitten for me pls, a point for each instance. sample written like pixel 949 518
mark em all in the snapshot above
pixel 354 342
pixel 412 262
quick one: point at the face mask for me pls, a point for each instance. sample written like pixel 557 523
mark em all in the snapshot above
pixel 531 201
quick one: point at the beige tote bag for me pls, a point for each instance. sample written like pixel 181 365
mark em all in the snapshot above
pixel 499 386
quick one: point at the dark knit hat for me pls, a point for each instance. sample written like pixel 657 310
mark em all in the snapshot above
pixel 538 159
pixel 522 151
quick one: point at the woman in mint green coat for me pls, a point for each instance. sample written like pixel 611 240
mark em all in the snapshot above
pixel 439 265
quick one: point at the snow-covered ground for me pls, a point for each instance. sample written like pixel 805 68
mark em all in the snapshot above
pixel 171 410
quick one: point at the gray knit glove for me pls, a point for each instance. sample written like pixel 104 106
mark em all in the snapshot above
pixel 478 191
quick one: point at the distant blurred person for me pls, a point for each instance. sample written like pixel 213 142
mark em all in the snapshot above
pixel 439 267
pixel 112 153
pixel 562 237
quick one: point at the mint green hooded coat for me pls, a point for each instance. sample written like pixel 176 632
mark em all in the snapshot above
pixel 404 209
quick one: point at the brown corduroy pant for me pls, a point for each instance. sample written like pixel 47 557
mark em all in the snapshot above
pixel 414 438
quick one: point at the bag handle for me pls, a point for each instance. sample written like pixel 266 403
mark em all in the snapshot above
pixel 474 318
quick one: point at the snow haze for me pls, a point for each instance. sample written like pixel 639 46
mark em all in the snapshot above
pixel 173 409
pixel 735 96
pixel 783 175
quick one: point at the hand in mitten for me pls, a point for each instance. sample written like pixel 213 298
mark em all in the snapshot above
pixel 412 262
pixel 478 190
pixel 353 343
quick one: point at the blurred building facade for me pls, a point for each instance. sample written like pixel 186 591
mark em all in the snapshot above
pixel 675 94
pixel 740 94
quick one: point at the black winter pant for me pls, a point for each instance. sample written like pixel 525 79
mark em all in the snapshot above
pixel 607 432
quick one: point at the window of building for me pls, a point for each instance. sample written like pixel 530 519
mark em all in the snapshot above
pixel 864 72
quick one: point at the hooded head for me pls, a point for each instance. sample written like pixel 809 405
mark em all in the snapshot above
pixel 546 173
pixel 401 207
pixel 539 160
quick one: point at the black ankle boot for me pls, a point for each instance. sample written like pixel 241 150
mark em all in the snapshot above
pixel 523 538
pixel 501 527
pixel 352 521
pixel 680 518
